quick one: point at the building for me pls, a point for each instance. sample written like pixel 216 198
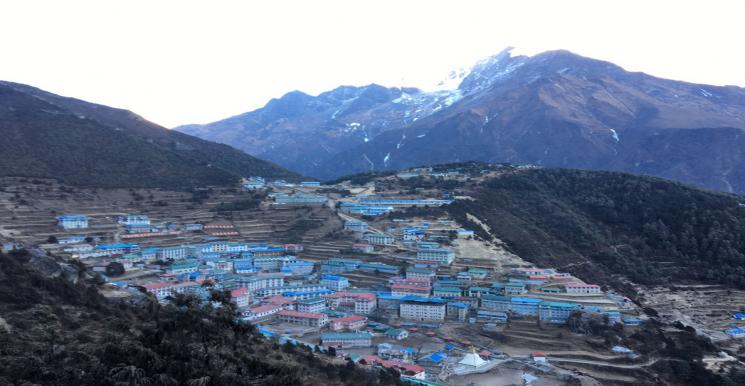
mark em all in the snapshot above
pixel 261 313
pixel 378 238
pixel 193 227
pixel 355 226
pixel 363 248
pixel 346 339
pixel 300 199
pixel 241 297
pixel 361 303
pixel 397 334
pixel 258 282
pixel 175 253
pixel 495 303
pixel 72 221
pixel 524 306
pixel 183 267
pixel 313 305
pixel 403 202
pixel 310 184
pixel 280 290
pixel 335 283
pixel 457 311
pixel 337 265
pixel 299 268
pixel 272 263
pixel 423 310
pixel 581 288
pixel 310 319
pixel 447 292
pixel 253 183
pixel 441 256
pixel 408 289
pixel 351 323
pixel 134 220
pixel 379 267
pixel 420 273
pixel 71 240
pixel 465 233
pixel 412 234
pixel 556 312
pixel 487 316
pixel 116 249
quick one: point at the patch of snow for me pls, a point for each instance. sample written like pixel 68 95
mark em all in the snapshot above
pixel 614 134
pixel 386 159
pixel 415 118
pixel 421 135
pixel 563 70
pixel 486 119
pixel 333 116
pixel 706 93
pixel 372 165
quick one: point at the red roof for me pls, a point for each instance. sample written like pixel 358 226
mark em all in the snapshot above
pixel 538 354
pixel 360 245
pixel 349 319
pixel 238 292
pixel 399 366
pixel 298 314
pixel 262 309
pixel 279 300
pixel 410 287
pixel 581 285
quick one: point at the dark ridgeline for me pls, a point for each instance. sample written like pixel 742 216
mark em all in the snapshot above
pixel 80 143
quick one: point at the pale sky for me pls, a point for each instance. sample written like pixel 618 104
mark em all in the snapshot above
pixel 177 62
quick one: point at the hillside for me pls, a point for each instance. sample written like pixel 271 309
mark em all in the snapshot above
pixel 56 329
pixel 80 143
pixel 554 109
pixel 600 224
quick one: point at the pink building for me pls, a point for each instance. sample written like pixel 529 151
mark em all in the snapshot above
pixel 351 323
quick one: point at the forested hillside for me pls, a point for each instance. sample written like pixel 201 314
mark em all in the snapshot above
pixel 598 223
pixel 56 329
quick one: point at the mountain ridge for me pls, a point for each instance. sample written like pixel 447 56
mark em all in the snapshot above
pixel 555 109
pixel 82 143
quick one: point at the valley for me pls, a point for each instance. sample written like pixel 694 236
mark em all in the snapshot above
pixel 277 248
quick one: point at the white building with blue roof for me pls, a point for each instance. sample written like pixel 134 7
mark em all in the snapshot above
pixel 334 282
pixel 72 221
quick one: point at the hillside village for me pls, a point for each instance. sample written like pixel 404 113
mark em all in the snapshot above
pixel 365 272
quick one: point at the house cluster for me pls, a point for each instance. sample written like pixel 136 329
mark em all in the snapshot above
pixel 256 182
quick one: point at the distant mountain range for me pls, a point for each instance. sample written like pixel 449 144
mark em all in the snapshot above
pixel 555 109
pixel 47 135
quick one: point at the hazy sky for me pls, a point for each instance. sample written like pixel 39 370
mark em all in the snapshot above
pixel 178 62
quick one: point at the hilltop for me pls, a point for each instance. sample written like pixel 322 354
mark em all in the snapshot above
pixel 81 143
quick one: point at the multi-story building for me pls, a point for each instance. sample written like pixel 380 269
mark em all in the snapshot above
pixel 253 183
pixel 262 312
pixel 441 256
pixel 447 292
pixel 300 199
pixel 310 184
pixel 362 303
pixel 299 268
pixel 524 306
pixel 378 238
pixel 403 202
pixel 408 289
pixel 457 311
pixel 116 249
pixel 351 323
pixel 175 253
pixel 134 219
pixel 73 221
pixel 334 282
pixel 272 263
pixel 241 297
pixel 355 226
pixel 280 290
pixel 581 288
pixel 420 273
pixel 556 312
pixel 379 267
pixel 314 305
pixel 346 339
pixel 183 267
pixel 363 248
pixel 495 303
pixel 258 282
pixel 423 310
pixel 303 318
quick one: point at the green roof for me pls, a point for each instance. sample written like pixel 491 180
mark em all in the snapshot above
pixel 447 289
pixel 560 304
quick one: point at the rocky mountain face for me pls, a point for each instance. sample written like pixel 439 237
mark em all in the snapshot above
pixel 554 109
pixel 77 142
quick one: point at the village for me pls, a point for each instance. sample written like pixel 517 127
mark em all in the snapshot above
pixel 332 268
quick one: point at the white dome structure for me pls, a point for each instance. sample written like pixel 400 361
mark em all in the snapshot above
pixel 472 359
